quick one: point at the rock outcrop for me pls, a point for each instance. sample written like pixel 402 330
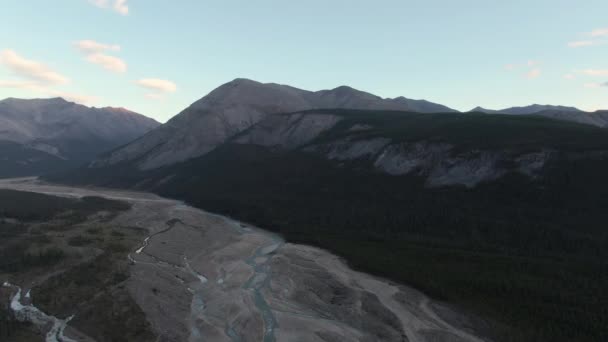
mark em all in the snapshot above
pixel 235 107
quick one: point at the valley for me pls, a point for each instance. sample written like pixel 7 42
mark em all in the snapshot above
pixel 479 210
pixel 304 171
pixel 200 276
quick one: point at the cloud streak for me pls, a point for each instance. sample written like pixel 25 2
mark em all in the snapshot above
pixel 582 43
pixel 30 69
pixel 159 87
pixel 37 77
pixel 94 52
pixel 533 73
pixel 595 72
pixel 594 35
pixel 163 86
pixel 532 66
pixel 108 62
pixel 600 32
pixel 119 6
pixel 90 46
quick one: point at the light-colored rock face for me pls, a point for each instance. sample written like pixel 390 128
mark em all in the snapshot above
pixel 442 166
pixel 402 159
pixel 438 163
pixel 350 149
pixel 288 131
pixel 51 125
pixel 235 107
pixel 209 122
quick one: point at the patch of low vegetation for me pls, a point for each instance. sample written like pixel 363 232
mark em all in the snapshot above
pixel 117 234
pixel 79 241
pixel 116 247
pixel 94 230
pixel 28 206
pixel 105 308
pixel 57 233
pixel 469 131
pixel 18 257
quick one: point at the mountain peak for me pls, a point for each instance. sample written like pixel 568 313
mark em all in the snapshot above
pixel 479 109
pixel 241 80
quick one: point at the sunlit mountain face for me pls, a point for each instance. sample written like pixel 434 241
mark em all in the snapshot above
pixel 43 135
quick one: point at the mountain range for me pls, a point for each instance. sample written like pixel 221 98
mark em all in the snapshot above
pixel 598 118
pixel 239 105
pixel 477 208
pixel 43 135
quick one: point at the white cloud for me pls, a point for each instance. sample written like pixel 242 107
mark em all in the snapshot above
pixel 532 67
pixel 94 52
pixel 119 6
pixel 569 76
pixel 99 3
pixel 581 43
pixel 162 86
pixel 595 34
pixel 600 32
pixel 90 46
pixel 159 87
pixel 595 72
pixel 532 63
pixel 592 85
pixel 37 77
pixel 108 62
pixel 30 69
pixel 533 73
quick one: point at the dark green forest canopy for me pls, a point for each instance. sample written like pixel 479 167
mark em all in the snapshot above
pixel 470 130
pixel 529 254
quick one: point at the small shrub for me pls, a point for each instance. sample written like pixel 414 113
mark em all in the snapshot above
pixel 79 241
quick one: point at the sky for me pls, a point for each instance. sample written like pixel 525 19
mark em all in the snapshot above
pixel 158 56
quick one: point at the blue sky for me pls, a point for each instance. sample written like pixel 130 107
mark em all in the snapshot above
pixel 158 56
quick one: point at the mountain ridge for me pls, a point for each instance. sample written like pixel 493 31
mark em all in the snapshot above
pixel 64 131
pixel 235 106
pixel 526 110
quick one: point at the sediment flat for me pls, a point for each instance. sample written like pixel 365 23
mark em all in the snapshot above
pixel 199 276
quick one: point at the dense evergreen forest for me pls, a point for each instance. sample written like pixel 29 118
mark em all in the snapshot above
pixel 529 254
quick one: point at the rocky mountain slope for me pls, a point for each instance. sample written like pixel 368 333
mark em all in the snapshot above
pixel 237 106
pixel 457 149
pixel 39 134
pixel 442 149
